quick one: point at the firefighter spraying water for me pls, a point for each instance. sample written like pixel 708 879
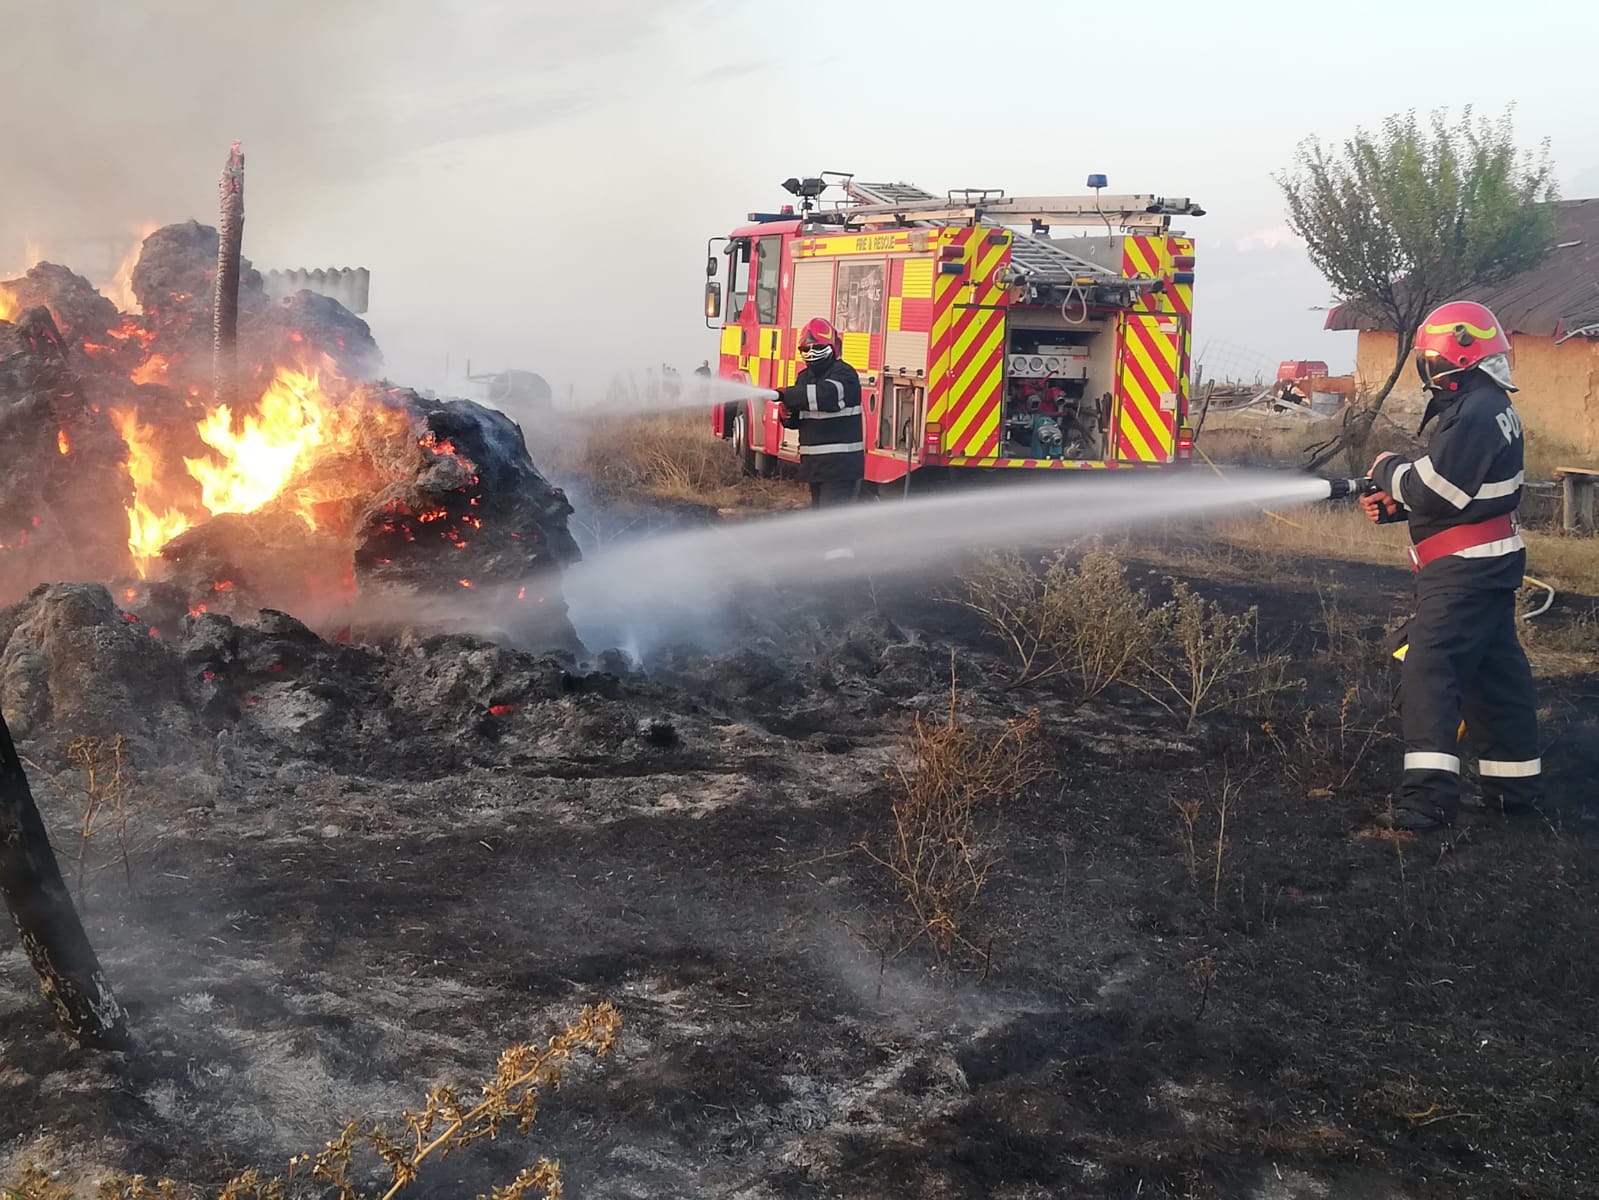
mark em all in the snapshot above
pixel 1461 656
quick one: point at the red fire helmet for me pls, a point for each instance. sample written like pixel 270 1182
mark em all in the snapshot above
pixel 818 340
pixel 1456 337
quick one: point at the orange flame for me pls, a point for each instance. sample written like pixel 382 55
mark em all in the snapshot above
pixel 129 329
pixel 148 530
pixel 63 442
pixel 9 308
pixel 152 370
pixel 256 456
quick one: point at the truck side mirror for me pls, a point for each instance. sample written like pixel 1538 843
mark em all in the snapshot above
pixel 710 267
pixel 713 300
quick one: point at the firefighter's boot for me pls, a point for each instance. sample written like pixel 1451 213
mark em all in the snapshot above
pixel 1413 819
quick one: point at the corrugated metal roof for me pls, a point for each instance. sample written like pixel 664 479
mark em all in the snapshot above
pixel 1557 296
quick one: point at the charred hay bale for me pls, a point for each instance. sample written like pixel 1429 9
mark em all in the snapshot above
pixel 81 313
pixel 63 479
pixel 470 516
pixel 278 677
pixel 74 664
pixel 451 682
pixel 237 563
pixel 287 329
pixel 175 284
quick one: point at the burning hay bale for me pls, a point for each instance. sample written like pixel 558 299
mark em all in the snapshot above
pixel 175 280
pixel 313 487
pixel 80 312
pixel 308 323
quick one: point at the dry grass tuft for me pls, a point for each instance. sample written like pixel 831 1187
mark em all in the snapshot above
pixel 1085 622
pixel 99 791
pixel 1196 659
pixel 446 1125
pixel 670 456
pixel 1189 655
pixel 939 850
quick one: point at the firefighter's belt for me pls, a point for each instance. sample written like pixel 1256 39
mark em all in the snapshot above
pixel 1461 537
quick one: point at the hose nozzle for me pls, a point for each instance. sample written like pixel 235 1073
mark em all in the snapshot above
pixel 1344 489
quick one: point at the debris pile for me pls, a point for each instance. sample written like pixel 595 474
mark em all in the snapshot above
pixel 75 662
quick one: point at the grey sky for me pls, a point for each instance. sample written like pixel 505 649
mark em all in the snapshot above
pixel 532 183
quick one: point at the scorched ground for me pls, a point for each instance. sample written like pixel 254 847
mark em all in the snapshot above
pixel 363 861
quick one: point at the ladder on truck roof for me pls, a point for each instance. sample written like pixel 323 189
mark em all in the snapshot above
pixel 1039 259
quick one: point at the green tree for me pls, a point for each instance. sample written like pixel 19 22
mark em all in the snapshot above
pixel 1401 220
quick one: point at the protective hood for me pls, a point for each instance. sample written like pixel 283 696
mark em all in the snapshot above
pixel 1497 368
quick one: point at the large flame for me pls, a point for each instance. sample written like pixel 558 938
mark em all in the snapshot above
pixel 9 308
pixel 254 458
pixel 256 455
pixel 148 529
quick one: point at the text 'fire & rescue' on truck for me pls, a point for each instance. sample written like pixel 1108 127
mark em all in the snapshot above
pixel 982 341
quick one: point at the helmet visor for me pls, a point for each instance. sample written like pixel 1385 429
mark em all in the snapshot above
pixel 815 351
pixel 1433 369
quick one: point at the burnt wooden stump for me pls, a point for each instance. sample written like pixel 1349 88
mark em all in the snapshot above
pixel 41 907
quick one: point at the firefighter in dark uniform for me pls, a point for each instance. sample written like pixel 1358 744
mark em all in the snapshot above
pixel 825 406
pixel 1462 658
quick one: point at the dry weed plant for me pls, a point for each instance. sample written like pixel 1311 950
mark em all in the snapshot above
pixel 100 793
pixel 1199 660
pixel 1192 813
pixel 1322 751
pixel 1015 605
pixel 1201 974
pixel 1085 622
pixel 446 1125
pixel 939 850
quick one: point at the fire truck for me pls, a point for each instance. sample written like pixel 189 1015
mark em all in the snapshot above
pixel 984 341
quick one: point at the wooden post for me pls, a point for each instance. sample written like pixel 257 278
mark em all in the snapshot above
pixel 1577 486
pixel 225 308
pixel 40 905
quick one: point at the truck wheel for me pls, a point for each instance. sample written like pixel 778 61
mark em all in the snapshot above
pixel 750 462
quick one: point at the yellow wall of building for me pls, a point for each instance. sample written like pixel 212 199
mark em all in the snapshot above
pixel 1558 396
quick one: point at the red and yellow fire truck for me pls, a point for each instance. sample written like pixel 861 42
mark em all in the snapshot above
pixel 982 341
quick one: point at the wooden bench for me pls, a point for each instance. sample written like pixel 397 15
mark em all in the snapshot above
pixel 1577 489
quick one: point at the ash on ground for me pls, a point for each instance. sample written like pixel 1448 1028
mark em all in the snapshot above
pixel 361 869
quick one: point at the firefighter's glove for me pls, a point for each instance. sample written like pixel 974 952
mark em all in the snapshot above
pixel 1380 508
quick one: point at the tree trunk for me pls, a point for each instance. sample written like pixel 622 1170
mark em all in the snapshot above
pixel 1357 431
pixel 52 935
